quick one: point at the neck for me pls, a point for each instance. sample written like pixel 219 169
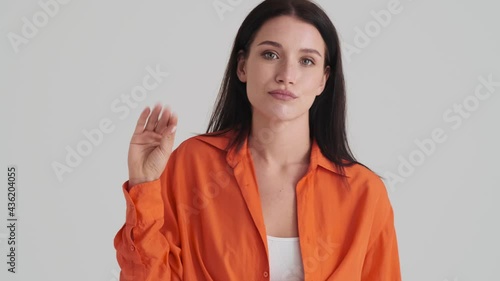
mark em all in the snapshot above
pixel 280 143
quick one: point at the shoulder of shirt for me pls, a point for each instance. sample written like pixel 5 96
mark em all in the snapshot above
pixel 362 172
pixel 204 143
pixel 360 177
pixel 365 180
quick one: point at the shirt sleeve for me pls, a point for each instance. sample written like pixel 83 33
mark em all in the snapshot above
pixel 382 258
pixel 148 244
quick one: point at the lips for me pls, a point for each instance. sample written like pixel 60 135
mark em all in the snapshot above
pixel 283 93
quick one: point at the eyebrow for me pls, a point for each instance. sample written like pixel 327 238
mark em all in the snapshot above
pixel 278 45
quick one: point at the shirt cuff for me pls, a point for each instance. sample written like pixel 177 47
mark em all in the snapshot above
pixel 144 202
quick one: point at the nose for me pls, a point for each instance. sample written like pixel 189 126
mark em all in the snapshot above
pixel 286 73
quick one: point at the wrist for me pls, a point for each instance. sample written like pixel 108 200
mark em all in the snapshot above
pixel 135 181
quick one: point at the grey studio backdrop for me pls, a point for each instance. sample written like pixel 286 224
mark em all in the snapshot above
pixel 423 86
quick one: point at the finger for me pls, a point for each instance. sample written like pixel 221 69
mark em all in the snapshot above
pixel 168 133
pixel 167 140
pixel 139 128
pixel 163 120
pixel 153 118
pixel 171 124
pixel 172 121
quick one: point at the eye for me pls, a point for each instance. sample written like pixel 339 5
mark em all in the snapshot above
pixel 265 55
pixel 312 62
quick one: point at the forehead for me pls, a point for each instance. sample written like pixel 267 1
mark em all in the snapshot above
pixel 291 32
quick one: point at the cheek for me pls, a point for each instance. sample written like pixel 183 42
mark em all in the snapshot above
pixel 259 72
pixel 258 78
pixel 314 83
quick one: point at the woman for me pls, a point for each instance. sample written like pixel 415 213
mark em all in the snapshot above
pixel 271 191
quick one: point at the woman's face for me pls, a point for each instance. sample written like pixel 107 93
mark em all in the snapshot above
pixel 286 54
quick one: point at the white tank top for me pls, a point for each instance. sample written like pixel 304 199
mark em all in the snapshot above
pixel 285 259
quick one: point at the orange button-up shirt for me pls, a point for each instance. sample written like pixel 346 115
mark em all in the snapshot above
pixel 202 220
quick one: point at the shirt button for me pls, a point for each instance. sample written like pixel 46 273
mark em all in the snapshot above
pixel 132 248
pixel 266 274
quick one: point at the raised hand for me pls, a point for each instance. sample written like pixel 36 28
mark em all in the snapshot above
pixel 151 144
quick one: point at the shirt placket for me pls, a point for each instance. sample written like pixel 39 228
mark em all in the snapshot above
pixel 245 177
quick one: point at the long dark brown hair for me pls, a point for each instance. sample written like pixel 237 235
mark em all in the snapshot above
pixel 327 114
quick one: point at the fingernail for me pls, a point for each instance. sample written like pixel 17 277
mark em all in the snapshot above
pixel 173 129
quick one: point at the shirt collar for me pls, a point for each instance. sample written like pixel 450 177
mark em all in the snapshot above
pixel 233 156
